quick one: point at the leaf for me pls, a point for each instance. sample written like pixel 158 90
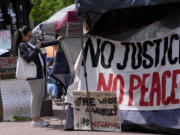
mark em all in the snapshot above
pixel 43 9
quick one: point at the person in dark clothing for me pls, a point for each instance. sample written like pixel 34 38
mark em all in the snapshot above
pixel 29 53
pixel 5 18
pixel 22 9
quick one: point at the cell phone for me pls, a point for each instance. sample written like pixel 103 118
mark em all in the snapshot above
pixel 34 40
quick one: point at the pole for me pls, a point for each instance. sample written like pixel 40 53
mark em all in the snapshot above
pixel 85 73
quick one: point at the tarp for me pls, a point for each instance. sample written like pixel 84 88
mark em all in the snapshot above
pixel 63 66
pixel 60 70
pixel 2 51
pixel 127 16
pixel 132 18
pixel 97 6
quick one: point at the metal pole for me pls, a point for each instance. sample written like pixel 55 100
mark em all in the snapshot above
pixel 67 29
pixel 85 74
pixel 42 34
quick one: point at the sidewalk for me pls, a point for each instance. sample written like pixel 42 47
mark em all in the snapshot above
pixel 55 128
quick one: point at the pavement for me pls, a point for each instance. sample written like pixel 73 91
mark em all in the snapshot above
pixel 57 122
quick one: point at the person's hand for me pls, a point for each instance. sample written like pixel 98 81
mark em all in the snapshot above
pixel 38 44
pixel 59 39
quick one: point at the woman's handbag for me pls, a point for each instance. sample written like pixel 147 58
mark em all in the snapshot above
pixel 25 70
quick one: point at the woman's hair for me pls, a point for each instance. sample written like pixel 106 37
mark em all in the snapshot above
pixel 24 30
pixel 17 38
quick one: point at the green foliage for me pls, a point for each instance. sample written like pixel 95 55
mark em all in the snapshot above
pixel 43 9
pixel 19 118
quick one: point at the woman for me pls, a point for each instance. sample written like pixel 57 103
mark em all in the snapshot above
pixel 30 53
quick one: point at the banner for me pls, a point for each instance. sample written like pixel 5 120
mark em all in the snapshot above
pixel 144 74
pixel 5 40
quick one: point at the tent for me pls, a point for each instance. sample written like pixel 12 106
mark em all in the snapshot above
pixel 65 23
pixel 83 7
pixel 133 21
pixel 123 15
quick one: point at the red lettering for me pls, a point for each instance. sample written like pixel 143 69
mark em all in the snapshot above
pixel 165 100
pixel 153 93
pixel 144 90
pixel 174 85
pixel 102 82
pixel 132 87
pixel 119 77
pixel 156 88
pixel 106 124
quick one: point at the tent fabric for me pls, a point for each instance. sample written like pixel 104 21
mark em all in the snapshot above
pixel 119 15
pixel 63 67
pixel 60 70
pixel 152 121
pixel 58 20
pixel 131 18
pixel 164 121
pixel 70 17
pixel 71 48
pixel 85 6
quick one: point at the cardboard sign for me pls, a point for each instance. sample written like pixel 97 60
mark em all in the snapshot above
pixel 5 40
pixel 104 111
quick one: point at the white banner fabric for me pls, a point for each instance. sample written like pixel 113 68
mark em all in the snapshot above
pixel 144 74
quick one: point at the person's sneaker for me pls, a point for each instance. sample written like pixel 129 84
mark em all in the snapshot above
pixel 39 123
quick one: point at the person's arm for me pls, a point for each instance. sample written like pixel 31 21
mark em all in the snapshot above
pixel 49 43
pixel 28 55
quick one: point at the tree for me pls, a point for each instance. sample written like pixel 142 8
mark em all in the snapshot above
pixel 43 9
